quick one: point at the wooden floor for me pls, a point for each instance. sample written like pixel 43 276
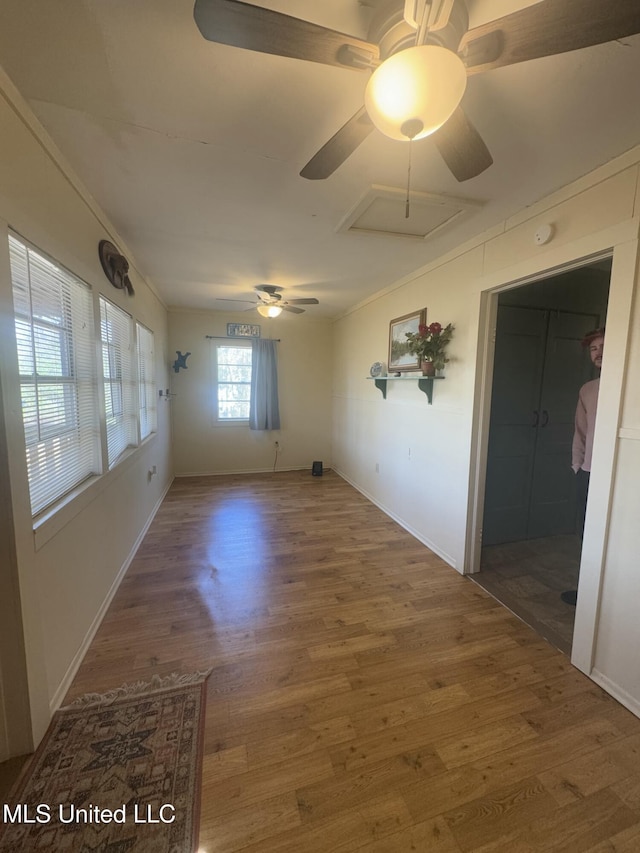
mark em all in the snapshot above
pixel 528 578
pixel 363 696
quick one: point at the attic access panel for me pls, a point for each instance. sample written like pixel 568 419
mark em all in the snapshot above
pixel 382 211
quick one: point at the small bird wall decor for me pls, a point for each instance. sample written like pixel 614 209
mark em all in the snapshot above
pixel 181 360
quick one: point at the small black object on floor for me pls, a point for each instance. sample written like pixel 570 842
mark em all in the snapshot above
pixel 316 469
pixel 570 596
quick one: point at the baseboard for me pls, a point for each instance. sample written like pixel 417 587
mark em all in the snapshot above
pixel 70 674
pixel 613 689
pixel 427 542
pixel 246 471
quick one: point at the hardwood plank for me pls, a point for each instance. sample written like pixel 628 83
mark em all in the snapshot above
pixel 257 784
pixel 627 841
pixel 266 751
pixel 252 824
pixel 586 774
pixel 433 836
pixel 488 740
pixel 486 819
pixel 454 788
pixel 581 824
pixel 351 789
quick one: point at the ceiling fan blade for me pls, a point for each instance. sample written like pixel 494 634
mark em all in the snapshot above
pixel 307 300
pixel 251 27
pixel 341 145
pixel 547 28
pixel 293 309
pixel 462 147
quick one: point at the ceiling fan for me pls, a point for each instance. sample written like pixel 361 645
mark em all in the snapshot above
pixel 271 304
pixel 271 298
pixel 545 28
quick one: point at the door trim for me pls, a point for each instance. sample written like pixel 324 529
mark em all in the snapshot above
pixel 619 242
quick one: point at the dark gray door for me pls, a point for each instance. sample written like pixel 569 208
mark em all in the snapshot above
pixel 539 367
pixel 552 508
pixel 517 376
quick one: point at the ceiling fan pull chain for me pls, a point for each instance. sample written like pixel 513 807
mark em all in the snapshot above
pixel 406 210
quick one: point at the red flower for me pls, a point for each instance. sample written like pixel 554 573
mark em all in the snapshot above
pixel 422 329
pixel 435 328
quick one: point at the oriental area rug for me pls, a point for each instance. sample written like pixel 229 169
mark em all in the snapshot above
pixel 115 773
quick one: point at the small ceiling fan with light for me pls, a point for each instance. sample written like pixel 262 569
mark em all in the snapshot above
pixel 271 304
pixel 419 54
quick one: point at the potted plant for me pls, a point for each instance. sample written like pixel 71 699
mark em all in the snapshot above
pixel 429 344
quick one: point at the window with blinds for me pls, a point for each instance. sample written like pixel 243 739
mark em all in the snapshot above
pixel 120 397
pixel 146 381
pixel 55 338
pixel 233 385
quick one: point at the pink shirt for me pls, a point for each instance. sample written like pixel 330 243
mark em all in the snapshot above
pixel 585 423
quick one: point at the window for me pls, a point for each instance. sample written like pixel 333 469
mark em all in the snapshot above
pixel 56 339
pixel 147 411
pixel 55 334
pixel 120 399
pixel 233 373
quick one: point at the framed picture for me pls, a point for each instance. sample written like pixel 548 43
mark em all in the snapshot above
pixel 399 356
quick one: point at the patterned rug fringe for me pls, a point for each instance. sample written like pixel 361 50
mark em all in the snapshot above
pixel 138 688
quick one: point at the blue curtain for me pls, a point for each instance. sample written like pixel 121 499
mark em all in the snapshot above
pixel 264 412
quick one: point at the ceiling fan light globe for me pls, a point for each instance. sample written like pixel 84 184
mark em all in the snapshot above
pixel 269 310
pixel 419 84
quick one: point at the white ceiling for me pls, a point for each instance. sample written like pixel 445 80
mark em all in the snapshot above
pixel 193 149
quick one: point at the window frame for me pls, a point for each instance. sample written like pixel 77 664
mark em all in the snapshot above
pixel 118 359
pixel 146 375
pixel 65 455
pixel 57 340
pixel 217 383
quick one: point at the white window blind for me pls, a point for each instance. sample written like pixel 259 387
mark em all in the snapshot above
pixel 120 398
pixel 146 381
pixel 233 373
pixel 55 334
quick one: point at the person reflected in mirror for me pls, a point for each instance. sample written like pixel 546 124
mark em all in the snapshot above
pixel 582 447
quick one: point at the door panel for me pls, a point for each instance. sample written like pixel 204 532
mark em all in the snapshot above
pixel 507 499
pixel 517 375
pixel 553 505
pixel 539 367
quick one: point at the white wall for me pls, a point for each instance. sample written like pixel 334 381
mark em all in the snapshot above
pixel 68 567
pixel 304 384
pixel 425 454
pixel 423 473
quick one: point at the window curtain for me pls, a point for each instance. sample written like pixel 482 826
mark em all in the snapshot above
pixel 264 411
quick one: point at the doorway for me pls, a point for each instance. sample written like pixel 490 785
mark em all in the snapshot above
pixel 530 539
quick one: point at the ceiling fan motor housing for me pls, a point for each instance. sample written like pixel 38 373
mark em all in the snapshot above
pixel 389 29
pixel 268 292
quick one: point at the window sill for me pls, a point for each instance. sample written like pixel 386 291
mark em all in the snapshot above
pixel 51 521
pixel 244 422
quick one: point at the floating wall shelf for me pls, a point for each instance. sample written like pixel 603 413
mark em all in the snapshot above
pixel 425 383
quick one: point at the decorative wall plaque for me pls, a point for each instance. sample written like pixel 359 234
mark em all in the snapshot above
pixel 243 330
